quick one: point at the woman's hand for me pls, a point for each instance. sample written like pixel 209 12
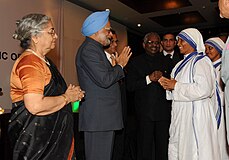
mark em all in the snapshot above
pixel 167 84
pixel 74 93
pixel 37 103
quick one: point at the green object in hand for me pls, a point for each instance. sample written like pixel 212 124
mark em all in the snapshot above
pixel 75 106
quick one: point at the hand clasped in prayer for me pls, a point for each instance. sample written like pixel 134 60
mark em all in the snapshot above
pixel 166 83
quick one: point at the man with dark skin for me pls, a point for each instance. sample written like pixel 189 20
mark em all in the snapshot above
pixel 152 108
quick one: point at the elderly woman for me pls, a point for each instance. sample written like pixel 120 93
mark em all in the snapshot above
pixel 193 129
pixel 41 124
pixel 214 47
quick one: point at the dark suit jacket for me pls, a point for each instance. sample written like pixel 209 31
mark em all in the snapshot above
pixel 150 100
pixel 101 108
pixel 176 57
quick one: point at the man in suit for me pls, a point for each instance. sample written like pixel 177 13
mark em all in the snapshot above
pixel 169 43
pixel 119 140
pixel 100 113
pixel 152 109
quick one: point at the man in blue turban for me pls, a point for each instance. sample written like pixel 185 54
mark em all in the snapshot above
pixel 100 113
pixel 95 22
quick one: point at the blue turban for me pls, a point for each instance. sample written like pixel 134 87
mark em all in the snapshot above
pixel 95 22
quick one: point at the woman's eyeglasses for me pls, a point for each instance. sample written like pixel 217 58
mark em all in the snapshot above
pixel 52 32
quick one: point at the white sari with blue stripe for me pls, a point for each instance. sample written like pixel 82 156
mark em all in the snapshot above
pixel 222 128
pixel 193 129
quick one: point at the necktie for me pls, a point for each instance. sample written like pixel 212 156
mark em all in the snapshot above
pixel 112 58
pixel 169 55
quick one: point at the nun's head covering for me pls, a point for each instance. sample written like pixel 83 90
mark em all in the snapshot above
pixel 217 43
pixel 193 37
pixel 94 22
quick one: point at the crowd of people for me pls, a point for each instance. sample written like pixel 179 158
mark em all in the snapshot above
pixel 181 97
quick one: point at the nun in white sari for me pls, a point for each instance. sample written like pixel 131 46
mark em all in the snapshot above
pixel 192 88
pixel 214 47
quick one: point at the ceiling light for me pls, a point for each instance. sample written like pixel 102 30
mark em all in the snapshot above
pixel 139 24
pixel 172 4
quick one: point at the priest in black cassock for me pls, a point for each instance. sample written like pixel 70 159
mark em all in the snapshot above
pixel 152 108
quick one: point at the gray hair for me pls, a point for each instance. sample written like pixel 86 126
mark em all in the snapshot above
pixel 30 25
pixel 151 34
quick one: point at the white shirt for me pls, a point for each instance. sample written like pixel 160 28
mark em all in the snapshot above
pixel 108 56
pixel 165 53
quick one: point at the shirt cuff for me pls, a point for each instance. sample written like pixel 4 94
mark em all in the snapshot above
pixel 148 81
pixel 120 65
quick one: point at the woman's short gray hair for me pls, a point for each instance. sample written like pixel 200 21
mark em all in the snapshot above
pixel 29 26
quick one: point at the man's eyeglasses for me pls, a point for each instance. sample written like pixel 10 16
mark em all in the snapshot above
pixel 152 42
pixel 108 29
